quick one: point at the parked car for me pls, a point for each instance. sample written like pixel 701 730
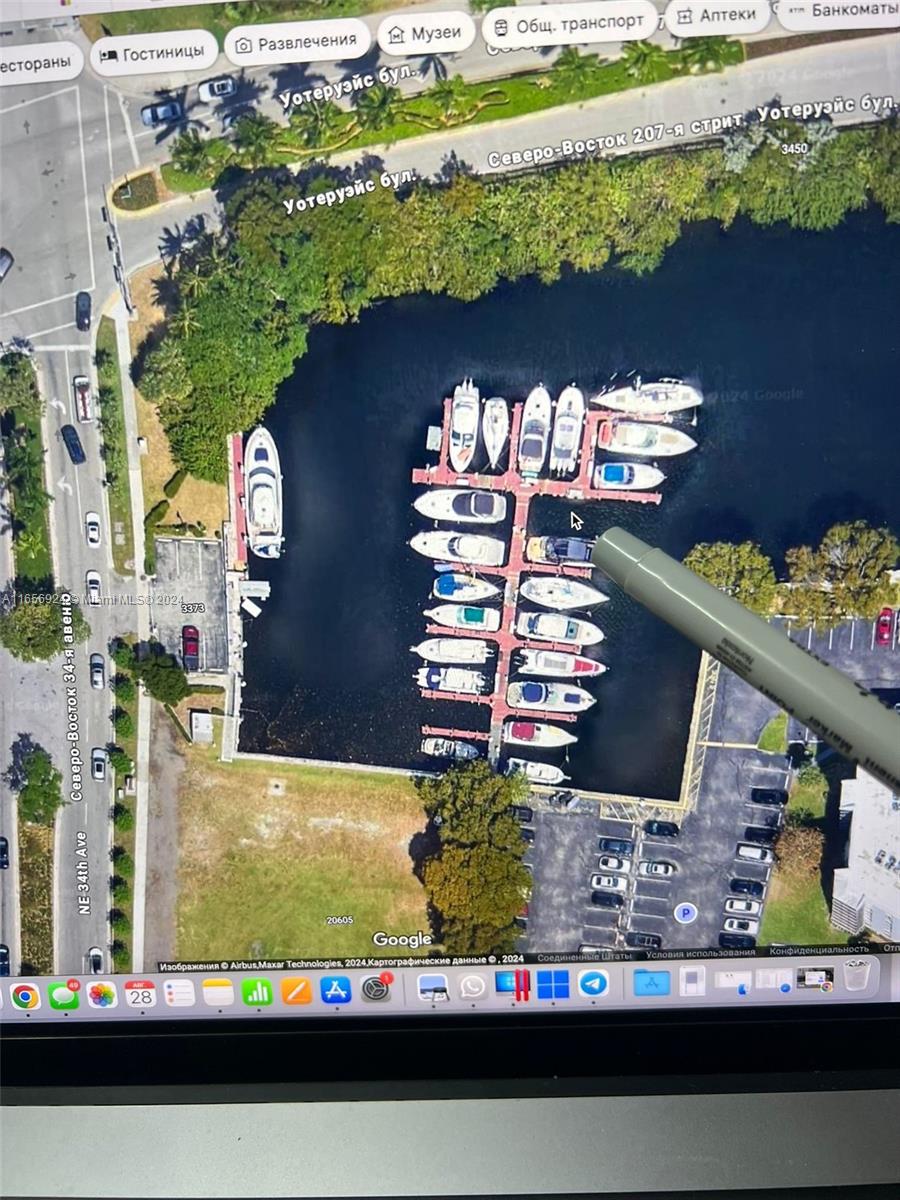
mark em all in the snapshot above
pixel 83 311
pixel 98 763
pixel 92 528
pixel 93 961
pixel 740 925
pixel 772 819
pixel 6 262
pixel 749 887
pixel 520 922
pixel 527 834
pixel 609 862
pixel 72 443
pixel 190 647
pixel 84 406
pixel 760 854
pixel 585 948
pixel 4 853
pixel 98 671
pixel 611 845
pixel 4 959
pixel 759 835
pixel 747 908
pixel 656 868
pixel 661 828
pixel 768 796
pixel 612 883
pixel 643 941
pixel 92 587
pixel 217 89
pixel 736 941
pixel 884 627
pixel 522 813
pixel 164 112
pixel 607 900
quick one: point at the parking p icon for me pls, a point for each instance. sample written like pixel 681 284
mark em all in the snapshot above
pixel 685 912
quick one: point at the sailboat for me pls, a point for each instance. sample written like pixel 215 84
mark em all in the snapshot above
pixel 495 428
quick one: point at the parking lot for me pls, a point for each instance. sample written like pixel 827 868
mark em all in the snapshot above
pixel 189 589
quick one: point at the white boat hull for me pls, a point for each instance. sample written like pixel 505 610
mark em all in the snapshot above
pixel 627 477
pixel 643 439
pixel 495 429
pixel 651 399
pixel 535 433
pixel 476 549
pixel 461 505
pixel 558 664
pixel 537 772
pixel 555 627
pixel 560 592
pixel 262 499
pixel 465 616
pixel 464 414
pixel 451 679
pixel 549 697
pixel 439 747
pixel 536 733
pixel 567 426
pixel 454 651
pixel 462 588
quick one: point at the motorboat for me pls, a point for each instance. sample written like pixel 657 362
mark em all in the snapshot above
pixel 466 505
pixel 549 697
pixel 495 428
pixel 452 650
pixel 442 747
pixel 643 439
pixel 627 477
pixel 535 435
pixel 464 416
pixel 451 679
pixel 560 664
pixel 537 772
pixel 557 627
pixel 465 616
pixel 558 591
pixel 559 551
pixel 262 495
pixel 476 548
pixel 657 399
pixel 457 585
pixel 567 425
pixel 536 733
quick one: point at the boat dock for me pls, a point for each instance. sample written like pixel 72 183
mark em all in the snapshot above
pixel 523 490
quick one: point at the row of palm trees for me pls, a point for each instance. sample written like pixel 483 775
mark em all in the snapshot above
pixel 644 62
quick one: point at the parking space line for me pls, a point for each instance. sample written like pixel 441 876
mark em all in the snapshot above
pixel 129 132
pixel 36 99
pixel 109 155
pixel 12 312
pixel 56 329
pixel 872 641
pixel 809 634
pixel 830 637
pixel 84 181
pixel 852 632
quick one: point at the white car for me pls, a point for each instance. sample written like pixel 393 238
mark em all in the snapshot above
pixel 748 908
pixel 92 587
pixel 610 883
pixel 656 868
pixel 609 862
pixel 738 925
pixel 92 528
pixel 760 854
pixel 98 763
pixel 217 89
pixel 98 671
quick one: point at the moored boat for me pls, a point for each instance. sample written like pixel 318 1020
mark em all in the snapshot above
pixel 535 435
pixel 557 627
pixel 549 697
pixel 643 439
pixel 559 551
pixel 650 399
pixel 466 505
pixel 561 664
pixel 442 747
pixel 627 477
pixel 465 616
pixel 558 591
pixel 451 679
pixel 536 733
pixel 537 772
pixel 262 495
pixel 476 548
pixel 495 428
pixel 567 425
pixel 464 414
pixel 452 650
pixel 457 585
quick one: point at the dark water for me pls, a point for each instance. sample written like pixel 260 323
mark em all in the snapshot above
pixel 795 339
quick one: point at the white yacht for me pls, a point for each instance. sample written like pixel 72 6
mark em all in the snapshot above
pixel 466 505
pixel 650 399
pixel 441 747
pixel 643 439
pixel 560 663
pixel 464 415
pixel 557 627
pixel 495 428
pixel 460 586
pixel 451 679
pixel 465 616
pixel 558 591
pixel 475 548
pixel 627 477
pixel 537 772
pixel 454 650
pixel 262 494
pixel 536 733
pixel 535 435
pixel 549 697
pixel 567 426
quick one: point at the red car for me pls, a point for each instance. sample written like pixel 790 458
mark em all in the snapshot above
pixel 190 647
pixel 884 627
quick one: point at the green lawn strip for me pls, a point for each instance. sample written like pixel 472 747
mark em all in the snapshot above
pixel 796 912
pixel 36 897
pixel 774 737
pixel 115 448
pixel 809 797
pixel 31 538
pixel 185 181
pixel 124 829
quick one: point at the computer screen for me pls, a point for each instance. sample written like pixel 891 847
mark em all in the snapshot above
pixel 332 336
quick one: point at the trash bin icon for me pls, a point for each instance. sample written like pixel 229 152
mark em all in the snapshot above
pixel 856 974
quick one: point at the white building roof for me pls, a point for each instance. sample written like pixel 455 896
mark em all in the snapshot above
pixel 201 727
pixel 872 875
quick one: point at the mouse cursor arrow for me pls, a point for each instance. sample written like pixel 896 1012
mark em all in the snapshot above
pixel 577 522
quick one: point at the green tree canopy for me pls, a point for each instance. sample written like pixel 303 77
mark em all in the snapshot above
pixel 18 386
pixel 643 61
pixel 846 575
pixel 34 632
pixel 162 676
pixel 742 570
pixel 39 784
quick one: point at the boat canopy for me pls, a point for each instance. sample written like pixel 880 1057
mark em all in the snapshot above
pixel 617 473
pixel 532 692
pixel 523 730
pixel 473 616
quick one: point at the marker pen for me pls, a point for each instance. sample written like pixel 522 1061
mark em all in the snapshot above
pixel 835 707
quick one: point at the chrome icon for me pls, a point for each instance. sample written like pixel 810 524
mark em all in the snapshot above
pixel 25 995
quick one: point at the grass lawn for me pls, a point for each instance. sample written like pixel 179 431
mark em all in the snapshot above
pixel 36 897
pixel 796 912
pixel 31 539
pixel 139 192
pixel 811 796
pixel 117 453
pixel 269 851
pixel 774 737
